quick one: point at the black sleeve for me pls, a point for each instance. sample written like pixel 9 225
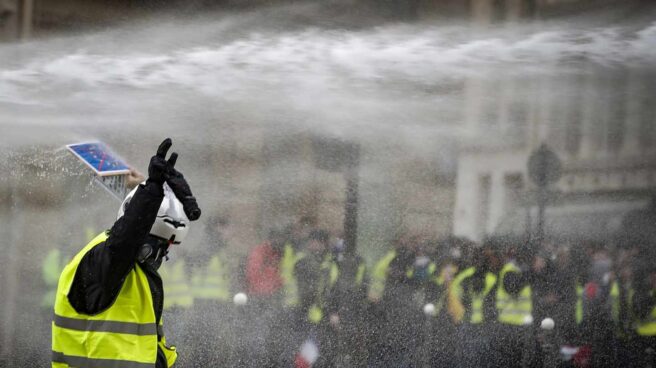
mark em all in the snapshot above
pixel 307 278
pixel 643 302
pixel 490 306
pixel 101 272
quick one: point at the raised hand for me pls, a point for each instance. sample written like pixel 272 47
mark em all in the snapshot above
pixel 158 168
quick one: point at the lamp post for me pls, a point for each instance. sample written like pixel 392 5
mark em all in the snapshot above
pixel 544 169
pixel 335 155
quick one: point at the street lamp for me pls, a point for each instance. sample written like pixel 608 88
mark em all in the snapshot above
pixel 335 155
pixel 544 169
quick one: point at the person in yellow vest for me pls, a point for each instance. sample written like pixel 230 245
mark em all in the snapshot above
pixel 210 282
pixel 178 302
pixel 346 304
pixel 295 235
pixel 643 306
pixel 513 340
pixel 448 311
pixel 621 295
pixel 211 290
pixel 108 307
pixel 475 288
pixel 597 326
pixel 315 275
pixel 50 270
pixel 408 276
pixel 290 257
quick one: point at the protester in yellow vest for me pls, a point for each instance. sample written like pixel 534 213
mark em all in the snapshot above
pixel 50 271
pixel 177 287
pixel 347 303
pixel 290 256
pixel 448 306
pixel 315 275
pixel 210 273
pixel 475 289
pixel 212 299
pixel 643 307
pixel 108 307
pixel 514 306
pixel 379 276
pixel 52 267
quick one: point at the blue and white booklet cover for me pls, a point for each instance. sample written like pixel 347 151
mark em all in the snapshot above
pixel 109 170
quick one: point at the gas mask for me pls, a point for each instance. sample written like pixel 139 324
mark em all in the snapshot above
pixel 153 251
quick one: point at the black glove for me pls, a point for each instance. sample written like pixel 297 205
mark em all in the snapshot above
pixel 158 168
pixel 181 189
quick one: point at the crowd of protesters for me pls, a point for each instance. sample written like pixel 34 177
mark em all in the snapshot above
pixel 424 303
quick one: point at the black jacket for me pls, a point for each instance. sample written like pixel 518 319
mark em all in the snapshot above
pixel 102 271
pixel 308 272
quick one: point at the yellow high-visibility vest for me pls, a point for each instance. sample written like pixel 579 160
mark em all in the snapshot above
pixel 290 287
pixel 579 303
pixel 124 335
pixel 211 282
pixel 177 291
pixel 439 280
pixel 476 315
pixel 478 299
pixel 622 325
pixel 50 270
pixel 329 268
pixel 379 276
pixel 360 274
pixel 513 310
pixel 647 326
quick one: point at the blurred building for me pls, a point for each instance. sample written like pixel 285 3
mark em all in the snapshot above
pixel 23 19
pixel 600 121
pixel 268 179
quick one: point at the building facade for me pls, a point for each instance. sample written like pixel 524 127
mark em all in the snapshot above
pixel 602 125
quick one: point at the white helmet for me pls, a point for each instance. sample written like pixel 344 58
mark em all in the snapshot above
pixel 171 222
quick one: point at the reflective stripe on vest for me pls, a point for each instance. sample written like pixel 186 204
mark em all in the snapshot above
pixel 176 288
pixel 83 362
pixel 579 303
pixel 513 311
pixel 359 276
pixel 123 335
pixel 140 329
pixel 615 302
pixel 647 327
pixel 379 276
pixel 211 282
pixel 476 315
pixel 290 288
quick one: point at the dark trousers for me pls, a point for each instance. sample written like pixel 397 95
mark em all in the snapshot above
pixel 513 346
pixel 474 346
